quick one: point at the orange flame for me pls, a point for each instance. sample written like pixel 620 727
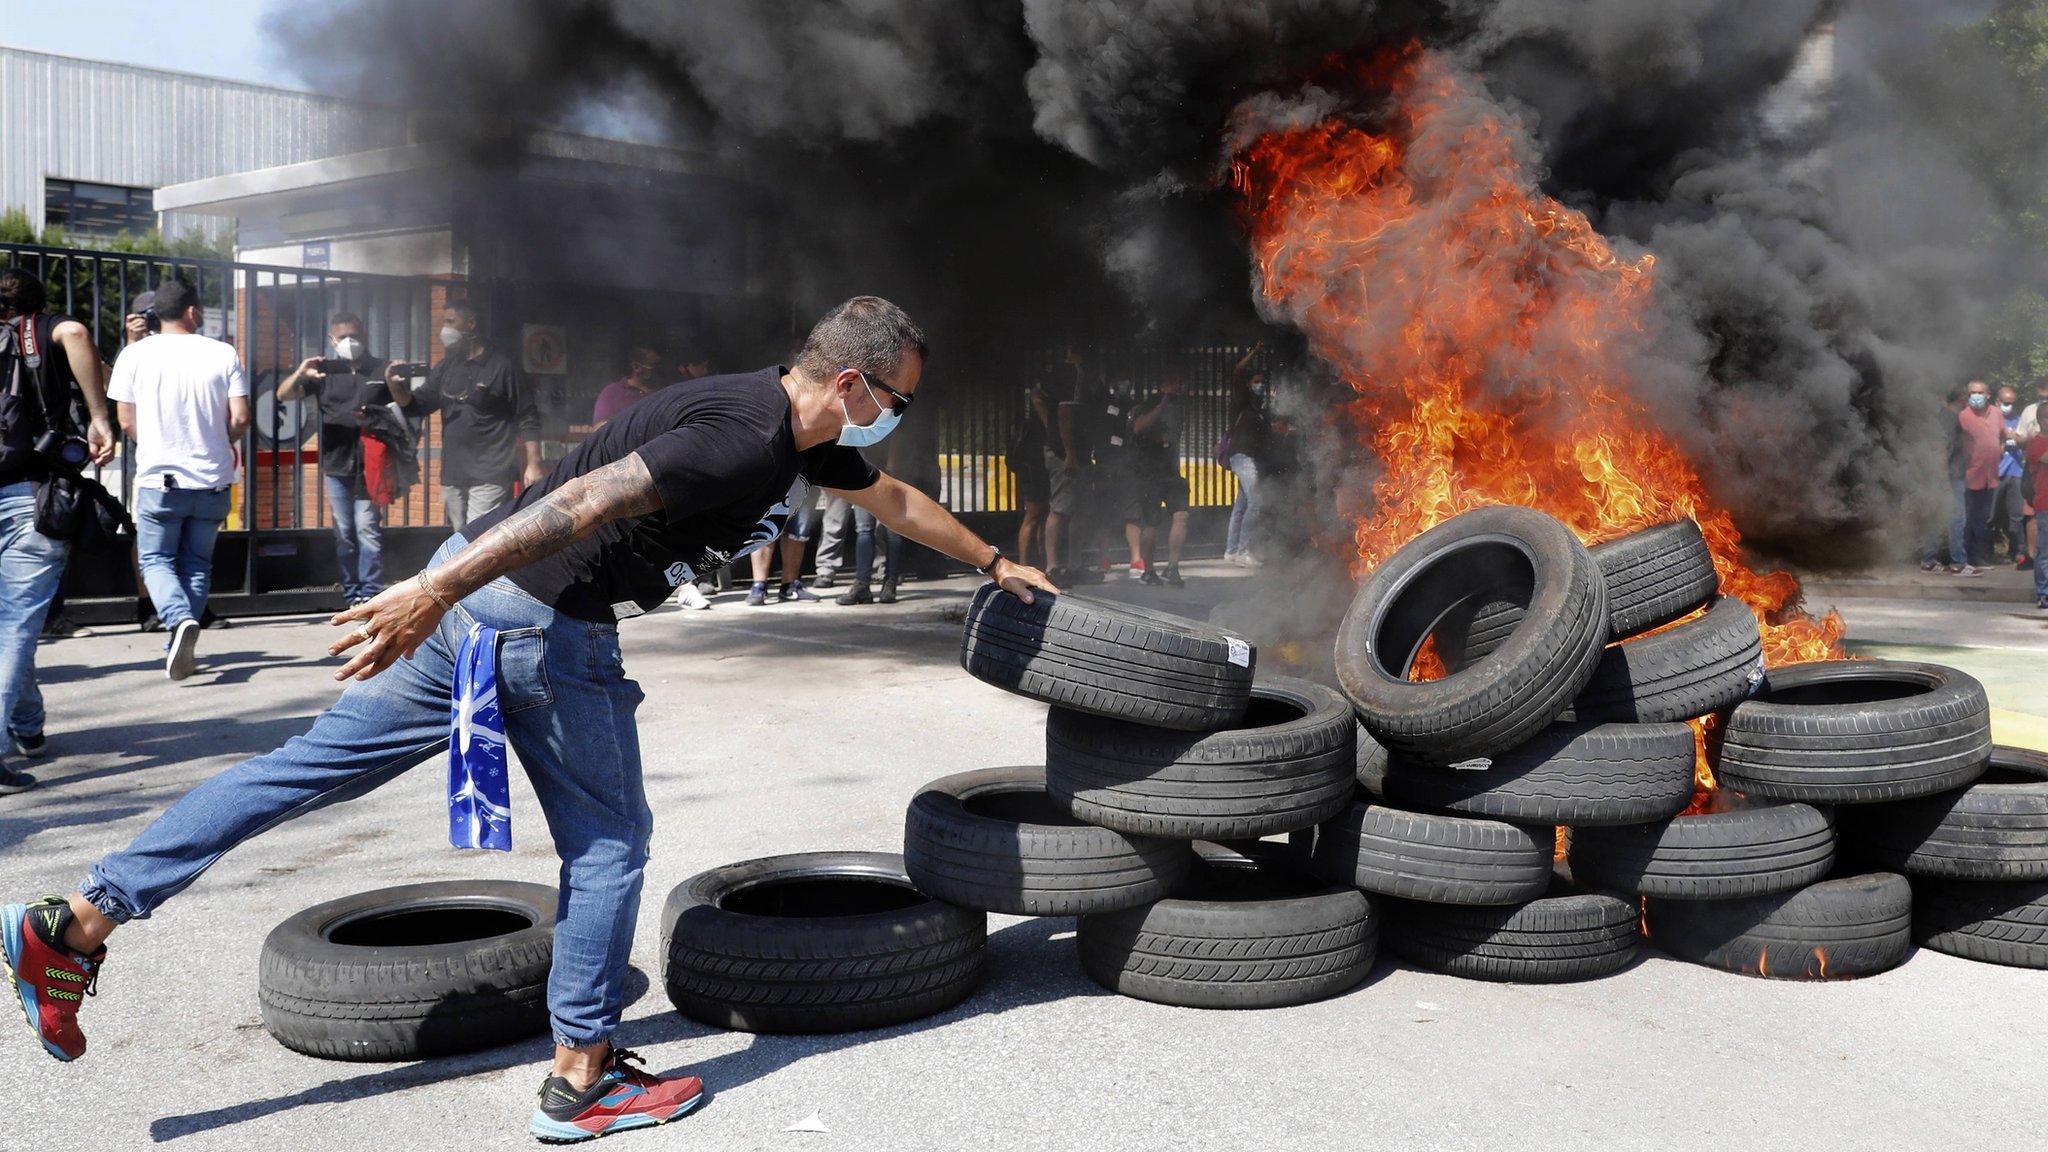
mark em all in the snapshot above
pixel 1488 330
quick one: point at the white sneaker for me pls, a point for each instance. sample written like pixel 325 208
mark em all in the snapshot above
pixel 184 647
pixel 1136 572
pixel 1247 560
pixel 688 595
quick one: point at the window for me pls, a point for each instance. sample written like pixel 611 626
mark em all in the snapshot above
pixel 102 210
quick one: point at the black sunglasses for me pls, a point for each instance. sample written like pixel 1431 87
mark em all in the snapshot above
pixel 902 404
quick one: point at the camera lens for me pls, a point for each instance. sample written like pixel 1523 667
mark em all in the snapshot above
pixel 74 453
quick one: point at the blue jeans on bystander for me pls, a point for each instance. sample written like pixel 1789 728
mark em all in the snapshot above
pixel 568 710
pixel 175 530
pixel 31 567
pixel 358 537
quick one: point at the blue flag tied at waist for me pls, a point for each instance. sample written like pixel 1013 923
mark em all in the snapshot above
pixel 479 784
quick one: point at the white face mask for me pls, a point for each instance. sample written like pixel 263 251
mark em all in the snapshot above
pixel 2005 407
pixel 450 336
pixel 348 348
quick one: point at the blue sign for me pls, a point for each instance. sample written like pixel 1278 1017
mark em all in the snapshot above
pixel 313 254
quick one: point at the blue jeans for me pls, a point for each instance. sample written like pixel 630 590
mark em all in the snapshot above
pixel 568 710
pixel 1245 509
pixel 175 529
pixel 866 527
pixel 358 537
pixel 1958 554
pixel 31 567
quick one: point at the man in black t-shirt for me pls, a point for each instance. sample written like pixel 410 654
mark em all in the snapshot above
pixel 1160 491
pixel 490 426
pixel 680 483
pixel 343 383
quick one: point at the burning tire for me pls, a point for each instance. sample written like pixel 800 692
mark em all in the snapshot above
pixel 1108 659
pixel 1995 923
pixel 1576 774
pixel 1566 934
pixel 1849 732
pixel 1499 701
pixel 816 942
pixel 1737 849
pixel 1249 929
pixel 994 840
pixel 411 972
pixel 1653 577
pixel 1851 926
pixel 1995 829
pixel 1440 859
pixel 1288 764
pixel 1696 669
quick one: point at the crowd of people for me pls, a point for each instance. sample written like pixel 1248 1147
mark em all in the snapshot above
pixel 1998 479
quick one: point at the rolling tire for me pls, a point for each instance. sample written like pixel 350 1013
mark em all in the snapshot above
pixel 816 942
pixel 1439 859
pixel 1695 669
pixel 1741 848
pixel 1515 691
pixel 994 840
pixel 1564 935
pixel 1857 732
pixel 1290 765
pixel 1996 923
pixel 1583 775
pixel 1849 926
pixel 1249 930
pixel 411 972
pixel 1108 659
pixel 1994 829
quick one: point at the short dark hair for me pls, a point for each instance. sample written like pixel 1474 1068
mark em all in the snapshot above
pixel 866 333
pixel 462 308
pixel 24 289
pixel 341 318
pixel 173 297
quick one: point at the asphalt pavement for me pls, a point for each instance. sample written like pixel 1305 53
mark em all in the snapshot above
pixel 804 727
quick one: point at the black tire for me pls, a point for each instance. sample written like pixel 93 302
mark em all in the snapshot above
pixel 994 840
pixel 1696 669
pixel 1108 659
pixel 1582 775
pixel 1653 577
pixel 1738 849
pixel 1566 934
pixel 1440 859
pixel 1511 694
pixel 411 972
pixel 1857 732
pixel 1289 766
pixel 1850 926
pixel 1994 923
pixel 816 942
pixel 1995 829
pixel 1249 929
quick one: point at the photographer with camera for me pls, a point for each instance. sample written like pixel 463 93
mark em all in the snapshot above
pixel 184 401
pixel 490 426
pixel 345 382
pixel 41 358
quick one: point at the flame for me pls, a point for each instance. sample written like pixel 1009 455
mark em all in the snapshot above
pixel 1490 334
pixel 1426 268
pixel 1763 961
pixel 1821 955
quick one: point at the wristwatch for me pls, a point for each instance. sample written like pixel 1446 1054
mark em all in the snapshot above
pixel 988 569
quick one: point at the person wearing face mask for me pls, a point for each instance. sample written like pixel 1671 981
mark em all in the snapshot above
pixel 680 483
pixel 1984 435
pixel 2009 511
pixel 643 368
pixel 344 381
pixel 490 427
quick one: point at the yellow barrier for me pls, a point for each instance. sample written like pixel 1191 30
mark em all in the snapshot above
pixel 998 485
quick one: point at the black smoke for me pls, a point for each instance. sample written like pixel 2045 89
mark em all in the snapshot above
pixel 1025 171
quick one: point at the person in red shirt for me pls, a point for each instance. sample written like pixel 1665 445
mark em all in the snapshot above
pixel 1984 436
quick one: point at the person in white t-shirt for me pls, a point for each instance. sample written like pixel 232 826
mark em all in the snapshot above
pixel 184 401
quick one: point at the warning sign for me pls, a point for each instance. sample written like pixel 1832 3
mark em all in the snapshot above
pixel 543 349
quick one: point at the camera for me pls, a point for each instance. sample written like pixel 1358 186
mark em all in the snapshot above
pixel 64 453
pixel 409 368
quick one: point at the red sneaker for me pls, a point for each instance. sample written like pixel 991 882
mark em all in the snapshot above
pixel 621 1098
pixel 49 980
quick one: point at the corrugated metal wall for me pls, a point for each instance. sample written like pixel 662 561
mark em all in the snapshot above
pixel 117 124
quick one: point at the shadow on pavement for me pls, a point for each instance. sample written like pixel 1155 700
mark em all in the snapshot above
pixel 1031 962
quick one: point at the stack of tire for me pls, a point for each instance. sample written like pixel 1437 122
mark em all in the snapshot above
pixel 1167 762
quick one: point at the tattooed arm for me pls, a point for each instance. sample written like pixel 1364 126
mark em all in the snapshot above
pixel 399 619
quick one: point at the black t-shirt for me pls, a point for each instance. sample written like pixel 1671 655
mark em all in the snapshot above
pixel 340 395
pixel 1158 446
pixel 485 408
pixel 723 458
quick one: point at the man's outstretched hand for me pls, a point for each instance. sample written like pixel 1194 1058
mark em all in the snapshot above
pixel 392 624
pixel 1019 579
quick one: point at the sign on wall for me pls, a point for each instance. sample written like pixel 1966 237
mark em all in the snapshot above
pixel 543 349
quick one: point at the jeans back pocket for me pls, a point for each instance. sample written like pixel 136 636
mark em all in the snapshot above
pixel 523 670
